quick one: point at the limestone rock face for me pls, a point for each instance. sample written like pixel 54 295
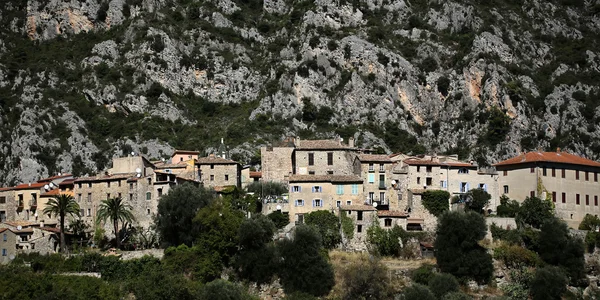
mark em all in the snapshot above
pixel 83 81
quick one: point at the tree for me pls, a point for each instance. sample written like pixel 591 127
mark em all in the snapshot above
pixel 61 206
pixel 477 200
pixel 436 202
pixel 548 283
pixel 279 219
pixel 303 268
pixel 589 222
pixel 328 226
pixel 176 212
pixel 366 278
pixel 558 248
pixel 268 188
pixel 116 210
pixel 79 229
pixel 442 284
pixel 507 208
pixel 534 212
pixel 256 259
pixel 457 248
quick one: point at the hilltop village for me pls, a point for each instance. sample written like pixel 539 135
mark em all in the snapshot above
pixel 320 175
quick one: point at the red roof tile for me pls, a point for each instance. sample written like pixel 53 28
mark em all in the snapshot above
pixel 391 213
pixel 255 174
pixel 51 193
pixel 16 223
pixel 30 186
pixel 106 177
pixel 421 162
pixel 67 181
pixel 552 157
pixel 54 177
pixel 458 164
pixel 6 188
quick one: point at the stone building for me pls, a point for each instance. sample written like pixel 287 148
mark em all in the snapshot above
pixel 7 204
pixel 8 242
pixel 276 162
pixel 376 172
pixel 32 237
pixel 219 172
pixel 310 193
pixel 183 155
pixel 248 176
pixel 570 181
pixel 362 216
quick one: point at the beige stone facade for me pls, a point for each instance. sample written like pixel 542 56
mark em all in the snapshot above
pixel 310 193
pixel 8 242
pixel 276 163
pixel 363 217
pixel 218 172
pixel 376 172
pixel 570 182
pixel 32 237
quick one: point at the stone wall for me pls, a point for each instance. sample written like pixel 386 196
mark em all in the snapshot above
pixel 342 163
pixel 276 163
pixel 213 175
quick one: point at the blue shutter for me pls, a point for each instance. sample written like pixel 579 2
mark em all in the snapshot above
pixel 371 178
pixel 314 202
pixel 313 189
pixel 467 187
pixel 485 187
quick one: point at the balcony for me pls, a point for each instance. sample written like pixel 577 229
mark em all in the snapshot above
pixel 33 203
pixel 382 185
pixel 20 205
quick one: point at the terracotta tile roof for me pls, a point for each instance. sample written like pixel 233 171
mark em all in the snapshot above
pixel 325 178
pixel 51 193
pixel 374 158
pixel 553 157
pixel 427 245
pixel 358 207
pixel 52 229
pixel 421 162
pixel 391 213
pixel 321 145
pixel 30 186
pixel 458 164
pixel 7 188
pixel 185 152
pixel 214 160
pixel 164 165
pixel 104 177
pixel 4 229
pixel 54 177
pixel 255 174
pixel 16 223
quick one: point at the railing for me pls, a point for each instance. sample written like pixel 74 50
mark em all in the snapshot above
pixel 381 185
pixel 33 203
pixel 20 204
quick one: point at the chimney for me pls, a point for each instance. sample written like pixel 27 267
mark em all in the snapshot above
pixel 351 142
pixel 558 149
pixel 41 223
pixel 297 141
pixel 212 155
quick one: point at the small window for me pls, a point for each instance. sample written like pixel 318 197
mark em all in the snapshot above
pixel 371 168
pixel 4 252
pixel 587 176
pixel 505 173
pixel 463 171
pixel 553 172
pixel 577 175
pixel 226 177
pixel 338 203
pixel 107 195
pixel 79 185
pixel 212 166
pixel 119 183
pixel 554 197
pixel 359 228
pixel 532 170
pixel 149 180
pixel 355 189
pixel 296 189
pixel 381 168
pixel 131 186
pixel 596 200
pixel 595 176
pixel 130 197
pixel 329 172
pixel 317 203
pixel 89 184
pixel 428 181
pixel 148 195
pixel 562 173
pixel 531 194
pixel 147 211
pixel 330 158
pixel 311 159
pixel 387 222
pixel 349 202
pixel 587 199
pixel 5 237
pixel 89 212
pixel 544 171
pixel 119 195
pixel 212 177
pixel 359 215
pixel 564 198
pixel 577 199
pixel 418 168
pixel 340 189
pixel 81 212
pixel 299 202
pixel 418 180
pixel 317 189
pixel 311 172
pixel 428 169
pixel 371 178
pixel 78 197
pixel 89 197
pixel 2 200
pixel 506 189
pixel 108 184
pixel 159 192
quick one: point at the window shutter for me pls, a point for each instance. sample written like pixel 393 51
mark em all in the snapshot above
pixel 485 187
pixel 313 189
pixel 467 187
pixel 314 203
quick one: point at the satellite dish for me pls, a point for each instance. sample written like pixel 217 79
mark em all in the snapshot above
pixel 19 227
pixel 393 181
pixel 132 153
pixel 374 204
pixel 138 170
pixel 138 175
pixel 12 256
pixel 46 187
pixel 35 215
pixel 278 207
pixel 51 185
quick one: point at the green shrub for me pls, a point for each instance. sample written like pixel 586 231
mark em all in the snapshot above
pixel 417 292
pixel 442 284
pixel 328 226
pixel 507 208
pixel 436 201
pixel 512 236
pixel 548 283
pixel 279 219
pixel 457 296
pixel 366 279
pixel 423 274
pixel 589 222
pixel 515 256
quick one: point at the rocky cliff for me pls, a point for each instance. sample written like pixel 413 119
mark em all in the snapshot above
pixel 82 81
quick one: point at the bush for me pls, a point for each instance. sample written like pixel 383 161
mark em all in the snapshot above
pixel 515 256
pixel 417 292
pixel 589 222
pixel 279 219
pixel 507 208
pixel 328 226
pixel 457 296
pixel 534 212
pixel 436 202
pixel 464 259
pixel 558 248
pixel 423 274
pixel 478 199
pixel 512 236
pixel 443 84
pixel 223 289
pixel 366 279
pixel 548 283
pixel 386 242
pixel 442 284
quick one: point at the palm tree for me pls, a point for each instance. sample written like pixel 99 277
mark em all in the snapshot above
pixel 116 210
pixel 60 206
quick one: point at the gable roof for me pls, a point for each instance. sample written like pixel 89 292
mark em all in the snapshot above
pixel 215 160
pixel 374 158
pixel 54 177
pixel 30 186
pixel 185 152
pixel 104 177
pixel 552 157
pixel 325 178
pixel 392 213
pixel 321 145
